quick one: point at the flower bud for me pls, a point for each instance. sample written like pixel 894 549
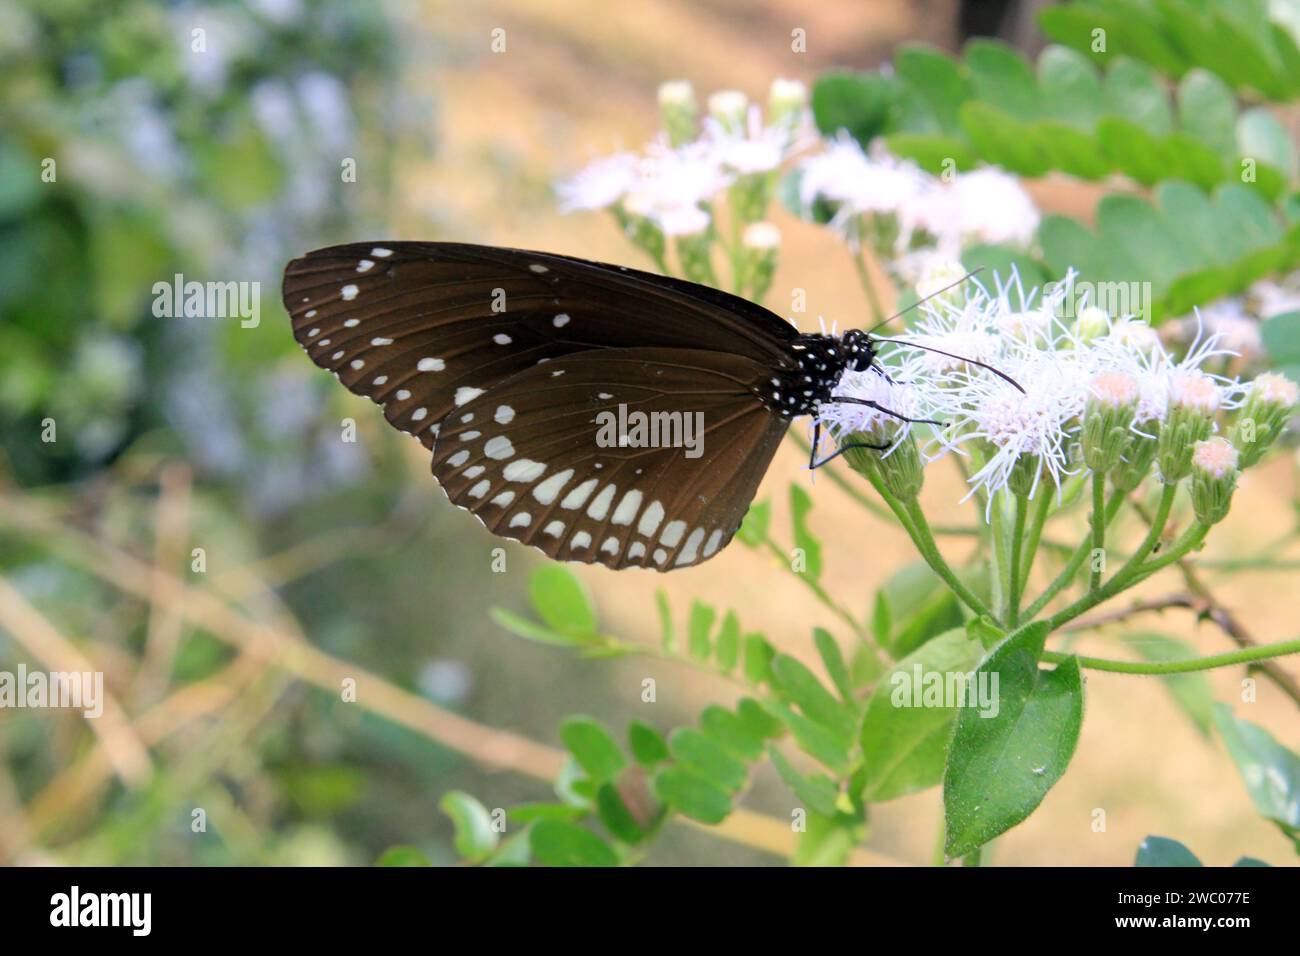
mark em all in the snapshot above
pixel 1108 419
pixel 1269 404
pixel 899 468
pixel 937 274
pixel 1092 323
pixel 1193 400
pixel 728 108
pixel 1214 477
pixel 678 111
pixel 1025 475
pixel 1138 456
pixel 640 229
pixel 786 102
pixel 760 242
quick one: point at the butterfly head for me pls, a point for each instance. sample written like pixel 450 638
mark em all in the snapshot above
pixel 860 351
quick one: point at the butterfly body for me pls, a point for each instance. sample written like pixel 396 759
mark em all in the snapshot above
pixel 510 366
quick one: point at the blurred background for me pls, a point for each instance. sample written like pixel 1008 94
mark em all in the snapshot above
pixel 198 532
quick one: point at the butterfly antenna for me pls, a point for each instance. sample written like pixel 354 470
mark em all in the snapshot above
pixel 937 292
pixel 961 358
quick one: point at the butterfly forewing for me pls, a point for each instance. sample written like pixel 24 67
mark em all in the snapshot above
pixel 548 458
pixel 410 325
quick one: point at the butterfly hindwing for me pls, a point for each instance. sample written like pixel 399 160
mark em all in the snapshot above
pixel 537 458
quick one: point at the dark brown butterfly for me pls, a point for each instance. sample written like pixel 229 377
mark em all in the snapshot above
pixel 507 364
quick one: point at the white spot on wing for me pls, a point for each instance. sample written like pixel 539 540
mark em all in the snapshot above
pixel 365 265
pixel 692 547
pixel 480 489
pixel 711 545
pixel 419 414
pixel 498 447
pixel 636 550
pixel 502 499
pixel 522 520
pixel 466 394
pixel 458 459
pixel 348 292
pixel 650 518
pixel 380 340
pixel 580 540
pixel 673 532
pixel 611 545
pixel 600 504
pixel 501 339
pixel 627 508
pixel 546 491
pixel 381 252
pixel 561 320
pixel 575 498
pixel 431 365
pixel 504 415
pixel 524 470
pixel 554 529
pixel 538 268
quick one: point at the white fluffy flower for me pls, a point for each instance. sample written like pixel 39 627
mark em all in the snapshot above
pixel 600 184
pixel 846 176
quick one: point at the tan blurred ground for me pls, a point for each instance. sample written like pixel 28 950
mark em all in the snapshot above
pixel 578 80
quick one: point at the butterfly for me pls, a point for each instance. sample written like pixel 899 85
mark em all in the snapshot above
pixel 511 366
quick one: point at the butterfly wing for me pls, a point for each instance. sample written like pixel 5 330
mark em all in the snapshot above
pixel 420 327
pixel 537 457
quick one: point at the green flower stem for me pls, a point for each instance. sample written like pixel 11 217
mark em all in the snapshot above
pixel 1135 569
pixel 999 579
pixel 1244 655
pixel 1072 566
pixel 869 288
pixel 923 538
pixel 1097 518
pixel 820 592
pixel 1042 507
pixel 1014 571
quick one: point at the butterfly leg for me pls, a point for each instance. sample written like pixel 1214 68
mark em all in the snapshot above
pixel 881 408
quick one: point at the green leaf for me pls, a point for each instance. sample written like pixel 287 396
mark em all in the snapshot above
pixel 708 758
pixel 758 659
pixel 402 856
pixel 691 795
pixel 1261 137
pixel 753 530
pixel 934 154
pixel 905 745
pixel 1281 334
pixel 817 792
pixel 816 740
pixel 757 720
pixel 860 103
pixel 475 838
pixel 726 649
pixel 615 815
pixel 1207 110
pixel 800 505
pixel 699 626
pixel 526 813
pixel 562 602
pixel 1162 851
pixel 911 607
pixel 646 743
pixel 1070 86
pixel 531 630
pixel 1002 78
pixel 665 619
pixel 592 747
pixel 739 737
pixel 1136 92
pixel 1191 692
pixel 1002 261
pixel 833 661
pixel 557 843
pixel 1000 767
pixel 937 84
pixel 802 688
pixel 1270 771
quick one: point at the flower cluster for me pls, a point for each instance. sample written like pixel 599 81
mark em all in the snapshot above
pixel 1100 395
pixel 909 217
pixel 671 192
